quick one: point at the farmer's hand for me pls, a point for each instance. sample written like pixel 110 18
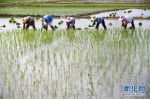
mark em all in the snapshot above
pixel 45 27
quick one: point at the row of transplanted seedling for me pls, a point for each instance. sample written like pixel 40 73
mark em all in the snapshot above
pixel 13 21
pixel 86 64
pixel 114 14
pixel 129 11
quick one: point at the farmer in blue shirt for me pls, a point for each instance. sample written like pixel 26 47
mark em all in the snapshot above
pixel 47 20
pixel 98 20
pixel 70 22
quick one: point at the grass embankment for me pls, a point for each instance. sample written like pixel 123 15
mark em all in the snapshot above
pixel 3 1
pixel 73 64
pixel 63 9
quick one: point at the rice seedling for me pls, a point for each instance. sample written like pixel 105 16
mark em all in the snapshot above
pixel 10 21
pixel 17 23
pixel 112 14
pixel 140 23
pixel 14 21
pixel 110 24
pixel 42 61
pixel 4 26
pixel 78 29
pixel 140 70
pixel 85 28
pixel 61 22
pixel 55 27
pixel 89 25
pixel 129 11
pixel 130 27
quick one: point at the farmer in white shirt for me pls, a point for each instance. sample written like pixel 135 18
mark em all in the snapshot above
pixel 70 22
pixel 127 19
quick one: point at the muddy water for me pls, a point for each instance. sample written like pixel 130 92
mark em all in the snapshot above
pixel 80 23
pixel 134 13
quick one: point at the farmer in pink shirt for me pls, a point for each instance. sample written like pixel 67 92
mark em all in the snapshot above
pixel 125 20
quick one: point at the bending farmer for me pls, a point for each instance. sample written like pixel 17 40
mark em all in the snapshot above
pixel 125 20
pixel 28 21
pixel 70 22
pixel 47 19
pixel 98 20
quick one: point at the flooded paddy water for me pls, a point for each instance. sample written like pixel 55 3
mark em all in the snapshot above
pixel 141 16
pixel 132 12
pixel 80 23
pixel 86 64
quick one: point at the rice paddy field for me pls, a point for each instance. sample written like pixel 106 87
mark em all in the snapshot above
pixel 74 64
pixel 64 9
pixel 86 64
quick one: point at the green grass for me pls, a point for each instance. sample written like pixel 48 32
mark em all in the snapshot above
pixel 14 0
pixel 72 64
pixel 46 10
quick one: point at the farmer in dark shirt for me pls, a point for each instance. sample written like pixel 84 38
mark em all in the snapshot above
pixel 28 21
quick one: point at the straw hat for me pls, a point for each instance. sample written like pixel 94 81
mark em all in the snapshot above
pixel 93 17
pixel 24 20
pixel 69 19
pixel 42 20
pixel 121 17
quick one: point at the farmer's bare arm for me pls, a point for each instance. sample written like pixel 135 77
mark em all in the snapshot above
pixel 93 23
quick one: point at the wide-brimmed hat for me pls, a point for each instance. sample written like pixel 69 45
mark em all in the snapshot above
pixel 93 17
pixel 122 17
pixel 42 20
pixel 69 19
pixel 24 20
